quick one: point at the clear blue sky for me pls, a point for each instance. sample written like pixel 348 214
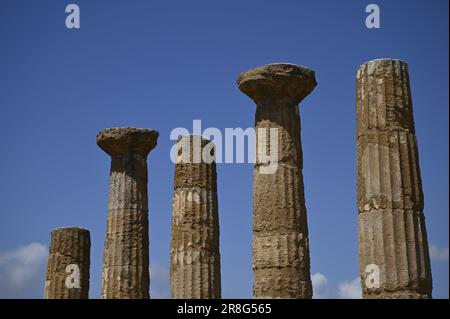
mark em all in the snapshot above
pixel 162 64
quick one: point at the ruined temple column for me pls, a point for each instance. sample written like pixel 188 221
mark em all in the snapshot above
pixel 281 261
pixel 393 248
pixel 68 264
pixel 194 252
pixel 126 252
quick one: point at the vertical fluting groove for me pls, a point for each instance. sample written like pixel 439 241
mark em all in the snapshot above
pixel 69 246
pixel 195 256
pixel 409 257
pixel 418 250
pixel 126 252
pixel 392 231
pixel 280 232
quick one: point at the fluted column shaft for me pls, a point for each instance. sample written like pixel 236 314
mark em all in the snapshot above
pixel 195 256
pixel 126 257
pixel 281 262
pixel 392 233
pixel 68 264
pixel 126 250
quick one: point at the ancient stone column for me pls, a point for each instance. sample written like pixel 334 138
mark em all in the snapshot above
pixel 126 252
pixel 68 264
pixel 281 261
pixel 195 257
pixel 393 248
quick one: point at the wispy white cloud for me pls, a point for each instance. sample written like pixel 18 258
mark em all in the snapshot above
pixel 22 271
pixel 345 290
pixel 159 281
pixel 439 253
pixel 350 289
pixel 319 283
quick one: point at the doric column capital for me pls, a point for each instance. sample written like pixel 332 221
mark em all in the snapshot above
pixel 122 141
pixel 277 81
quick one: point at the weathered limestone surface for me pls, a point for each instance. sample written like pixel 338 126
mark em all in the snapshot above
pixel 281 262
pixel 195 256
pixel 392 232
pixel 126 252
pixel 68 246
